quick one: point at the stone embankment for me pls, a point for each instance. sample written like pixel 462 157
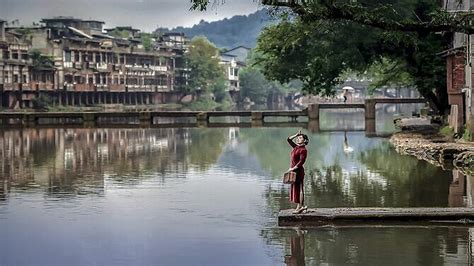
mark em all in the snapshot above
pixel 427 144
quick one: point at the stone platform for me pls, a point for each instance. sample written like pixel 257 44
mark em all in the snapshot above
pixel 324 216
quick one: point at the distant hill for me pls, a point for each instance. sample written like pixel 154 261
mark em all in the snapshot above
pixel 229 33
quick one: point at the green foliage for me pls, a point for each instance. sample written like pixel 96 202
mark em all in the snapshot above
pixel 467 133
pixel 203 60
pixel 229 33
pixel 254 85
pixel 42 102
pixel 119 33
pixel 202 104
pixel 320 52
pixel 41 61
pixel 447 131
pixel 146 40
pixel 219 89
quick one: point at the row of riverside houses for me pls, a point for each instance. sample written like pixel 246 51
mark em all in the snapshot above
pixel 77 62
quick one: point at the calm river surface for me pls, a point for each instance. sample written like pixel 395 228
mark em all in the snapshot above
pixel 210 196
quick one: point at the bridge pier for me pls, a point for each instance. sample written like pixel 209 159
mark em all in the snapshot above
pixel 313 111
pixel 369 125
pixel 202 117
pixel 145 119
pixel 313 126
pixel 256 119
pixel 370 108
pixel 29 120
pixel 89 119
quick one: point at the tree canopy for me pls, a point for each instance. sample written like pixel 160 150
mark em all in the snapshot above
pixel 203 59
pixel 317 41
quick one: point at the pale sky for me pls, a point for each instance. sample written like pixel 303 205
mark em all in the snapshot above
pixel 146 15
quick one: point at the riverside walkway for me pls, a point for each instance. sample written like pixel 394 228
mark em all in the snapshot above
pixel 147 118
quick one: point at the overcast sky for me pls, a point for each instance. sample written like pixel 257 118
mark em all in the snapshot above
pixel 146 15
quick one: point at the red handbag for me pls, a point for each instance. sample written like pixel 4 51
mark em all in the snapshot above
pixel 289 178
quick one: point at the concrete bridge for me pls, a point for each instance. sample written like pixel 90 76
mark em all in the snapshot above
pixel 368 106
pixel 147 118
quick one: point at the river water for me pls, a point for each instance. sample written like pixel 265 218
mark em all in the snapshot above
pixel 210 196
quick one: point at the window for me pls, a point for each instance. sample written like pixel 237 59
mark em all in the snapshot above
pixel 68 78
pixel 15 55
pixel 67 56
pixel 15 78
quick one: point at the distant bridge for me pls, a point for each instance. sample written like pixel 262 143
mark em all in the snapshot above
pixel 147 118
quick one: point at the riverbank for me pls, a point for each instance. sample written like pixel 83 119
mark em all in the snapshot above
pixel 429 145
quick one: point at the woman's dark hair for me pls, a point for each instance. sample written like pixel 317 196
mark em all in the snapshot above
pixel 306 139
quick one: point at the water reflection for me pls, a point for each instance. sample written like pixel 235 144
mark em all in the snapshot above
pixel 135 196
pixel 359 245
pixel 76 161
pixel 297 257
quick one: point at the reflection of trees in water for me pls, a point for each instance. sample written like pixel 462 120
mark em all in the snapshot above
pixel 76 161
pixel 385 178
pixel 411 182
pixel 273 152
pixel 374 245
pixel 388 179
pixel 206 146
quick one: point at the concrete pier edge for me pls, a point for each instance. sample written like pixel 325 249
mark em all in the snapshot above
pixel 321 216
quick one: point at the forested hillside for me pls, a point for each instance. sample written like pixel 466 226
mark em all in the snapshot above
pixel 229 33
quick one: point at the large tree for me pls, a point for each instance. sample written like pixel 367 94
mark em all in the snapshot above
pixel 203 60
pixel 319 40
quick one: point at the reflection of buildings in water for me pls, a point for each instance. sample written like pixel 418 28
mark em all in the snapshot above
pixel 461 190
pixel 456 243
pixel 75 160
pixel 3 189
pixel 297 249
pixel 233 137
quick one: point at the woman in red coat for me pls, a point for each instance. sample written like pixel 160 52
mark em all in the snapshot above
pixel 298 158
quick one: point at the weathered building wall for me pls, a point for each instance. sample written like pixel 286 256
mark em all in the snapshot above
pixel 455 71
pixel 90 70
